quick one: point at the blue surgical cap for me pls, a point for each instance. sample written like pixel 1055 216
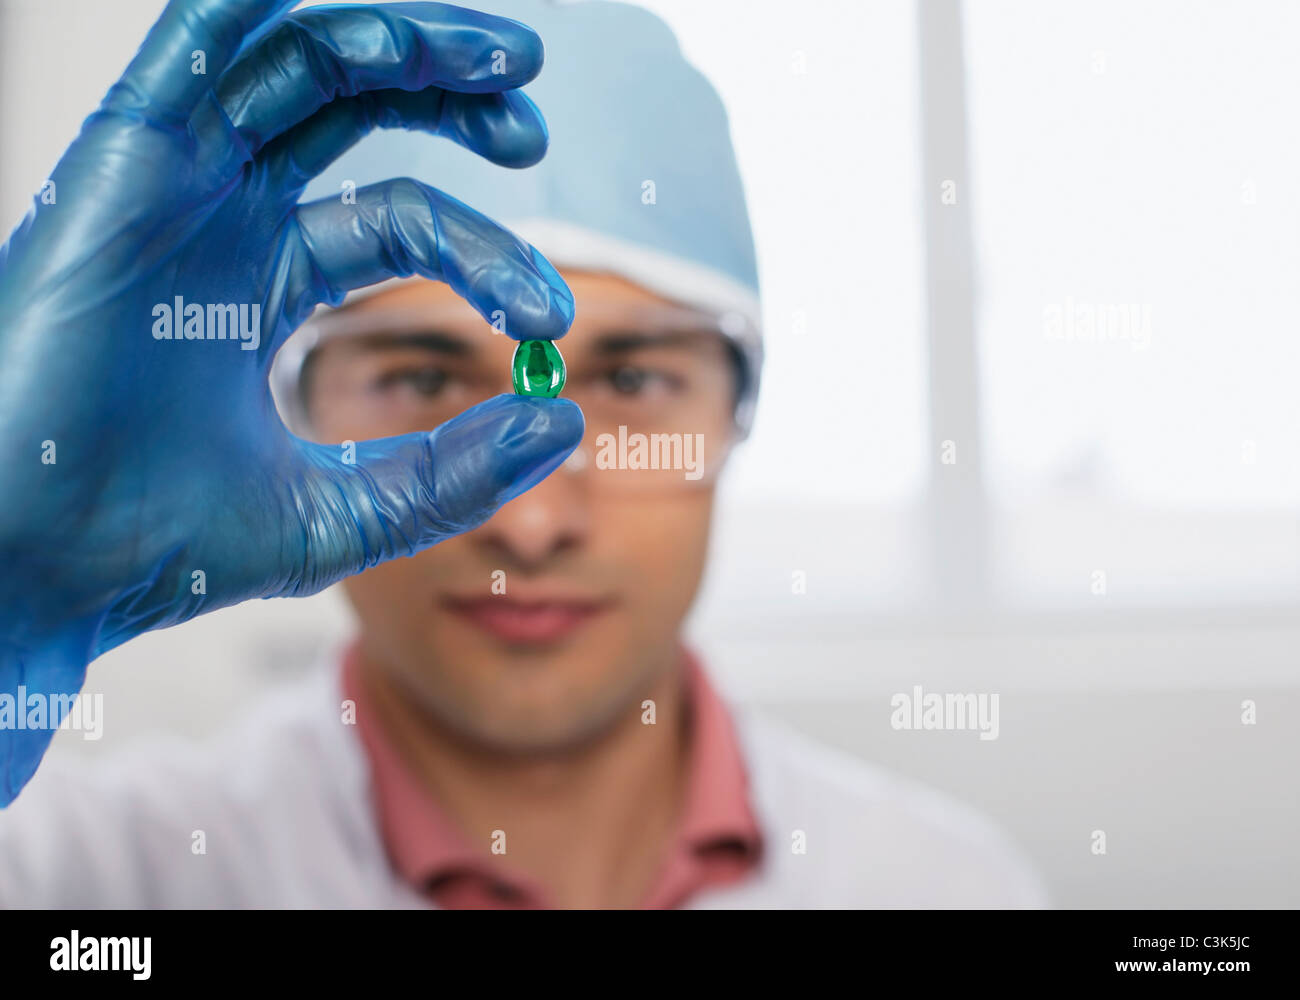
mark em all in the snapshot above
pixel 639 180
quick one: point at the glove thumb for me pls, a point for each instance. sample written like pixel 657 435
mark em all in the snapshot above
pixel 371 501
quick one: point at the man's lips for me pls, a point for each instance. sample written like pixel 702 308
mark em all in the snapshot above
pixel 514 620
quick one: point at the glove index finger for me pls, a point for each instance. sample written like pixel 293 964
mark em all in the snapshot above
pixel 402 227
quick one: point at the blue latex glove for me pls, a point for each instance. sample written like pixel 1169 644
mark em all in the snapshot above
pixel 169 455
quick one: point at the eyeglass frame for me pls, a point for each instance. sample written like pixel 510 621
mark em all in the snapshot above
pixel 326 324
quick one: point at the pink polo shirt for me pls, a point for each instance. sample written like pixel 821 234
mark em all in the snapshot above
pixel 716 840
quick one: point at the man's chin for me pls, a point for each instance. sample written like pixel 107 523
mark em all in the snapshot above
pixel 538 699
pixel 536 729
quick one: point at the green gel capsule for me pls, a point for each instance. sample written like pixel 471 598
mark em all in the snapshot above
pixel 537 369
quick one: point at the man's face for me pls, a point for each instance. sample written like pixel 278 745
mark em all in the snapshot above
pixel 598 566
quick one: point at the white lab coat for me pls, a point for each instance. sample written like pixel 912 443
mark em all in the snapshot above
pixel 280 806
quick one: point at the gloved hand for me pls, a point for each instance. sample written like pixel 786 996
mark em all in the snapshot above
pixel 130 464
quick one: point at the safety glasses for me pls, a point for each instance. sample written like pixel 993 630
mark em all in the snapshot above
pixel 657 384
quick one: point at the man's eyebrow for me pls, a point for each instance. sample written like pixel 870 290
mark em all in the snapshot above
pixel 428 340
pixel 618 341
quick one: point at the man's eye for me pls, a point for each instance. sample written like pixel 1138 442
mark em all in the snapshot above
pixel 423 381
pixel 629 381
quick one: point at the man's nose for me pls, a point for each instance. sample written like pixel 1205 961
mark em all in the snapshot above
pixel 549 520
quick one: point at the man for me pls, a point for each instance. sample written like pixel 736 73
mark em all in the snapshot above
pixel 518 723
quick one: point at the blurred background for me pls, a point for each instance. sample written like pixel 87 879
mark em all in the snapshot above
pixel 1029 426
